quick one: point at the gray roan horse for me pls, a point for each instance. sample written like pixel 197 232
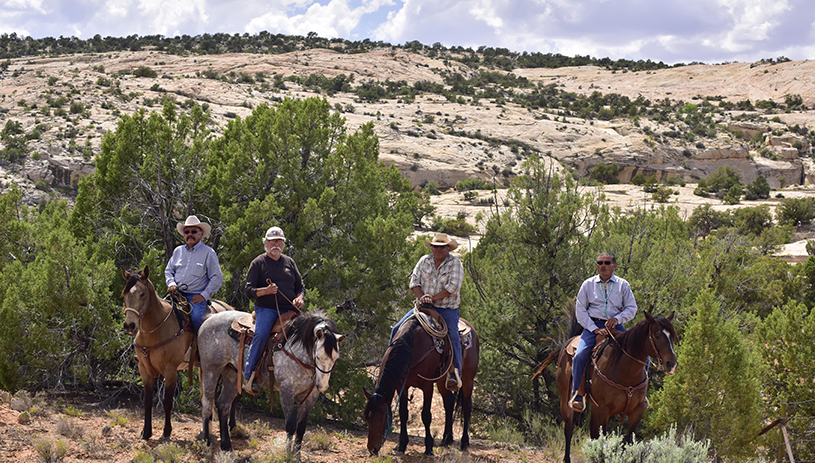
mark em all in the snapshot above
pixel 302 369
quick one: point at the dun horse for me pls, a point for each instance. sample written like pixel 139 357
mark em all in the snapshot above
pixel 161 342
pixel 617 382
pixel 412 360
pixel 302 368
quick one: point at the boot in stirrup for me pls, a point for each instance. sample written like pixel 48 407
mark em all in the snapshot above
pixel 453 380
pixel 249 385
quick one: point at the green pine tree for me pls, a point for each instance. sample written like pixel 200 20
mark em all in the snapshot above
pixel 789 351
pixel 716 390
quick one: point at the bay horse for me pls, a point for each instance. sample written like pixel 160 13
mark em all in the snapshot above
pixel 412 360
pixel 161 342
pixel 616 377
pixel 302 369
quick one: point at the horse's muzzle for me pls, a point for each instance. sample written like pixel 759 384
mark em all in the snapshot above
pixel 670 367
pixel 130 328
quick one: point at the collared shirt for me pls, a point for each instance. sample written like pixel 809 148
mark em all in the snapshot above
pixel 604 301
pixel 195 270
pixel 449 276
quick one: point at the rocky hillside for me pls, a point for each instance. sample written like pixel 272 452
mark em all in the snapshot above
pixel 688 121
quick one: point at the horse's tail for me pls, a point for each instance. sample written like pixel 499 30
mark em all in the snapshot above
pixel 551 358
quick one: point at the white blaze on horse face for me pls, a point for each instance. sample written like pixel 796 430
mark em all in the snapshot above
pixel 670 343
pixel 325 363
pixel 132 314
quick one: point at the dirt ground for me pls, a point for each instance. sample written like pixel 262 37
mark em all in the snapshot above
pixel 90 431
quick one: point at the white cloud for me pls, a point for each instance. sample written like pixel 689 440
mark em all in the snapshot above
pixel 753 21
pixel 165 16
pixel 31 5
pixel 335 19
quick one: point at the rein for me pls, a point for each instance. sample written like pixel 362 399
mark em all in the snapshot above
pixel 629 390
pixel 653 345
pixel 141 316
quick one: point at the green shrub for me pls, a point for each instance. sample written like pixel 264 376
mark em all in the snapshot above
pixel 662 194
pixel 666 448
pixel 473 184
pixel 606 173
pixel 144 71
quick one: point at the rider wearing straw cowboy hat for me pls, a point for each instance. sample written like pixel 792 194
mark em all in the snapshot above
pixel 269 274
pixel 436 280
pixel 193 270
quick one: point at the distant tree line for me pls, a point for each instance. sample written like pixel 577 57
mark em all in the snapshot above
pixel 14 46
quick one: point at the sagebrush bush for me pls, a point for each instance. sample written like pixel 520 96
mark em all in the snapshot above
pixel 665 448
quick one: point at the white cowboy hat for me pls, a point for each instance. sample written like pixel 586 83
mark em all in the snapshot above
pixel 192 221
pixel 441 239
pixel 274 233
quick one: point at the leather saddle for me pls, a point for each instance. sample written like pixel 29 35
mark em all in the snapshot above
pixel 244 327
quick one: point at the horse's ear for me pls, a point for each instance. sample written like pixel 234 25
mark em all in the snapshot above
pixel 367 394
pixel 649 317
pixel 319 334
pixel 339 337
pixel 671 316
pixel 146 272
pixel 125 273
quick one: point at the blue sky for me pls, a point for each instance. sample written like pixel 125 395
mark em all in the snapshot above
pixel 710 31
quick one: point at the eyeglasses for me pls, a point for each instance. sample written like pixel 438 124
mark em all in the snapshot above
pixel 194 231
pixel 603 262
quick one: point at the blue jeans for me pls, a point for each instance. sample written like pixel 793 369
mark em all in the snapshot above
pixel 197 310
pixel 450 317
pixel 264 321
pixel 581 357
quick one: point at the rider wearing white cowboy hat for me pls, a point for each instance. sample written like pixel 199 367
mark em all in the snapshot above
pixel 193 270
pixel 436 280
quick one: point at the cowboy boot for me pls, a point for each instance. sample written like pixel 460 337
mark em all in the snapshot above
pixel 250 387
pixel 453 380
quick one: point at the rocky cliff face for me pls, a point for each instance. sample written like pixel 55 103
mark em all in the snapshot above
pixel 429 138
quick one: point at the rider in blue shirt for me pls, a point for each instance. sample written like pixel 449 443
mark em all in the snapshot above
pixel 604 302
pixel 193 270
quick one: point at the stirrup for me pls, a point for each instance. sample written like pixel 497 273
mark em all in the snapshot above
pixel 453 382
pixel 577 403
pixel 250 387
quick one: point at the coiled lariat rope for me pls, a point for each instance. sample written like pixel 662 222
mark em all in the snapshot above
pixel 434 333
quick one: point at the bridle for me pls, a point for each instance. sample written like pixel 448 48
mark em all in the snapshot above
pixel 141 313
pixel 653 345
pixel 306 367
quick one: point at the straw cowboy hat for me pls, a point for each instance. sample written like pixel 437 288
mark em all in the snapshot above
pixel 441 239
pixel 192 221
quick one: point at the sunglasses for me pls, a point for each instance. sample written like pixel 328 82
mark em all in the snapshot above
pixel 191 232
pixel 603 262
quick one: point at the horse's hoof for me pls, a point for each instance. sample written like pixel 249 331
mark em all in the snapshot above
pixel 145 435
pixel 226 447
pixel 428 453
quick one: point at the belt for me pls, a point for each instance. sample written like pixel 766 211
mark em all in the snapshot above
pixel 598 320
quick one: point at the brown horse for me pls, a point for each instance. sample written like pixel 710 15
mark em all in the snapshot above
pixel 412 360
pixel 617 381
pixel 161 342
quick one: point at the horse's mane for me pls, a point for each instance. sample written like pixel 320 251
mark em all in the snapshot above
pixel 631 340
pixel 301 330
pixel 399 360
